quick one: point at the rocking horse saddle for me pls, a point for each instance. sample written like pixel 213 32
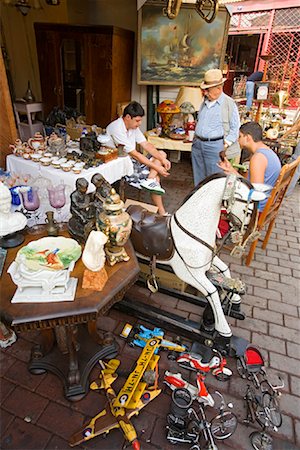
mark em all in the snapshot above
pixel 151 234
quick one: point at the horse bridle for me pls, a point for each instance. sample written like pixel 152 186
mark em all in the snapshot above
pixel 239 238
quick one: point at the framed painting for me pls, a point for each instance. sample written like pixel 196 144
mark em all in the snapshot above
pixel 179 51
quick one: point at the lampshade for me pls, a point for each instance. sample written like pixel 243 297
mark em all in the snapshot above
pixel 189 94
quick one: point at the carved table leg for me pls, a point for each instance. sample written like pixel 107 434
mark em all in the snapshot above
pixel 102 338
pixel 42 348
pixel 73 358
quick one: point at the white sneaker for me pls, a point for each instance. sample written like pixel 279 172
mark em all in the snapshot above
pixel 153 186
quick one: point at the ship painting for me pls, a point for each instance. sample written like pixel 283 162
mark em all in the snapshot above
pixel 179 51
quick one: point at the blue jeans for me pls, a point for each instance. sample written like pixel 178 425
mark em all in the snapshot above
pixel 249 93
pixel 205 156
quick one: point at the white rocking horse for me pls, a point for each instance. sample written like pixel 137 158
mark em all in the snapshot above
pixel 188 245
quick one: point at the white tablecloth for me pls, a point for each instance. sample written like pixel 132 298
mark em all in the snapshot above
pixel 112 171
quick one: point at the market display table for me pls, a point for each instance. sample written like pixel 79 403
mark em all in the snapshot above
pixel 112 171
pixel 70 345
pixel 173 145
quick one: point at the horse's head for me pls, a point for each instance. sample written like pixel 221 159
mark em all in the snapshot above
pixel 241 202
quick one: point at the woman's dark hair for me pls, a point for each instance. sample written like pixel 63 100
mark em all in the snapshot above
pixel 254 129
pixel 134 109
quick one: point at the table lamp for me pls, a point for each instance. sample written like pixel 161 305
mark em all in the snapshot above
pixel 189 94
pixel 167 109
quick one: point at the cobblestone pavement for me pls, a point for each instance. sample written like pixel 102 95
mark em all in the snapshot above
pixel 35 415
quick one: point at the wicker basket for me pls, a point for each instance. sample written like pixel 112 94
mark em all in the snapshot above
pixel 75 131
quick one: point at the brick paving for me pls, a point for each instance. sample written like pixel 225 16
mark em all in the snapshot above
pixel 35 414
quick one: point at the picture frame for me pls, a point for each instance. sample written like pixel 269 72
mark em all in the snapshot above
pixel 179 51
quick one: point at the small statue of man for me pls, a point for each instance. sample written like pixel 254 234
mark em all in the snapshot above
pixel 82 210
pixel 103 189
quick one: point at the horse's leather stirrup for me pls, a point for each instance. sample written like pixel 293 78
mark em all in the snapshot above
pixel 151 279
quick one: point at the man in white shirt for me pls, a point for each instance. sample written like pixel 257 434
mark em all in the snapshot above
pixel 126 131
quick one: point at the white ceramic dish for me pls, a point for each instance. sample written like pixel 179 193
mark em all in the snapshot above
pixel 36 157
pixel 66 167
pixel 45 161
pixel 51 253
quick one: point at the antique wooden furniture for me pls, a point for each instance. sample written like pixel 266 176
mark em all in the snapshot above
pixel 8 130
pixel 85 67
pixel 268 216
pixel 32 125
pixel 172 145
pixel 70 344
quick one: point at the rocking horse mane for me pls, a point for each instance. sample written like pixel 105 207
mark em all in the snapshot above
pixel 208 179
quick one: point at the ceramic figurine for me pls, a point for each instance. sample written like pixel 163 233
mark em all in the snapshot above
pixel 93 258
pixel 116 224
pixel 11 223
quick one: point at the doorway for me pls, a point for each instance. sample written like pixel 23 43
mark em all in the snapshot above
pixel 242 56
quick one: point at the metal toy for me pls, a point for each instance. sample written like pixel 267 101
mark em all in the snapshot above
pixel 139 389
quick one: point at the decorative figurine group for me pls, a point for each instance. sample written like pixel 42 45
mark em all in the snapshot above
pixel 101 210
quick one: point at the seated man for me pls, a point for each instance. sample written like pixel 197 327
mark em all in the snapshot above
pixel 294 129
pixel 125 131
pixel 264 165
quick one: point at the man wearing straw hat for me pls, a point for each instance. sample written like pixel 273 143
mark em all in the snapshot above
pixel 217 129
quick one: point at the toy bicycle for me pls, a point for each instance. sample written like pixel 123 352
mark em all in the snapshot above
pixel 250 365
pixel 264 409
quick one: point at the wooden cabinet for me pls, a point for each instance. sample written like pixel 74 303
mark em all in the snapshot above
pixel 85 67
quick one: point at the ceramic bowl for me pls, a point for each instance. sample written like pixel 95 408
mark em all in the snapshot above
pixel 45 161
pixel 55 164
pixel 48 155
pixel 62 160
pixel 76 170
pixel 36 157
pixel 65 167
pixel 26 155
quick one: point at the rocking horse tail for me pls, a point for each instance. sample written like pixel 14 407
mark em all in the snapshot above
pixel 151 279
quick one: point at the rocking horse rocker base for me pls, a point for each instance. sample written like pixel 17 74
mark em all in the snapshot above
pixel 199 333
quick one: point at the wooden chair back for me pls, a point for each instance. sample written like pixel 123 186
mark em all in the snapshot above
pixel 268 215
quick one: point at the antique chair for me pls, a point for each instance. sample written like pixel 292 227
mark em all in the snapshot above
pixel 269 214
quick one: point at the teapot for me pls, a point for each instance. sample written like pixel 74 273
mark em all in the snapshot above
pixel 57 145
pixel 37 142
pixel 17 148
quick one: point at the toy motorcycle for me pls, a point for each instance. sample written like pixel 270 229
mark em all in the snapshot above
pixel 200 393
pixel 216 364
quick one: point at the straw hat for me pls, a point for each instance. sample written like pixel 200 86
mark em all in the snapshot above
pixel 213 77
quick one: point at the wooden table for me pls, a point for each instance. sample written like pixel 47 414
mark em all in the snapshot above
pixel 172 145
pixel 70 344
